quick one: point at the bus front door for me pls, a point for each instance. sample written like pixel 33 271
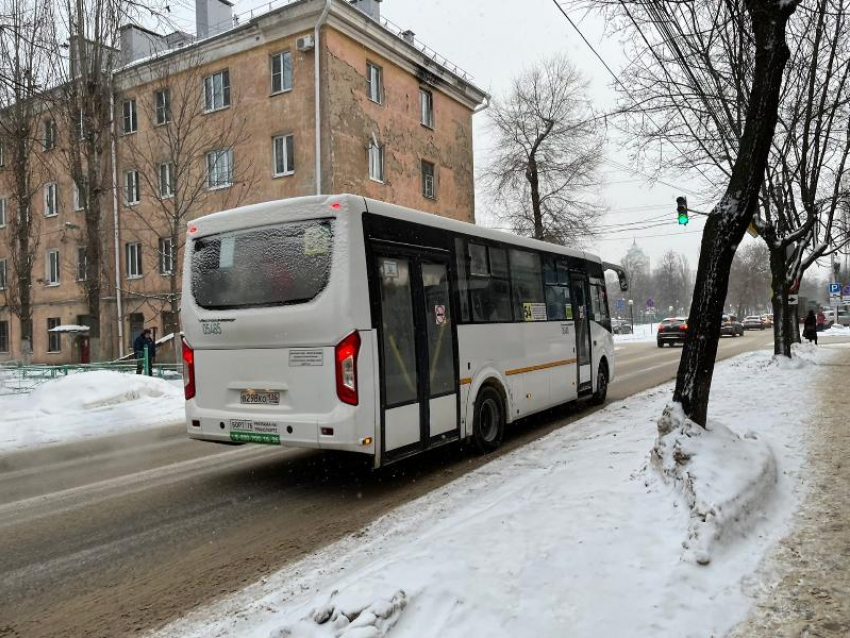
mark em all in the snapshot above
pixel 419 388
pixel 578 285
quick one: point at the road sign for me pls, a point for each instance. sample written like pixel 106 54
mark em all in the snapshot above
pixel 650 303
pixel 621 304
pixel 846 291
pixel 793 300
pixel 834 290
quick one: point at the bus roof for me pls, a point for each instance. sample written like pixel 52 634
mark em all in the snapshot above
pixel 271 212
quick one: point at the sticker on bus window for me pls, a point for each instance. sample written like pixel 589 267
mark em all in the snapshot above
pixel 534 311
pixel 317 240
pixel 389 269
pixel 225 254
pixel 440 315
pixel 568 308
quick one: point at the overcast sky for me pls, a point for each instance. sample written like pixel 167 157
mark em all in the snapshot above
pixel 494 41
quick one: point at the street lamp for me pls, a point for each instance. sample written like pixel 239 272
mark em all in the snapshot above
pixel 632 313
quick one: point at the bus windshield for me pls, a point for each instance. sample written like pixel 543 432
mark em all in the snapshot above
pixel 271 266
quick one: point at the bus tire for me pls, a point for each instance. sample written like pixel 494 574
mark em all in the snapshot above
pixel 601 393
pixel 488 424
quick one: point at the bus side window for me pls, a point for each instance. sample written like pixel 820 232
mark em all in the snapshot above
pixel 462 279
pixel 526 278
pixel 489 284
pixel 557 289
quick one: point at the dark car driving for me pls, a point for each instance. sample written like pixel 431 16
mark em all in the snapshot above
pixel 672 330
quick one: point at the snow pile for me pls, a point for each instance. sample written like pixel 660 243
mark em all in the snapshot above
pixel 835 330
pixel 725 477
pixel 576 534
pixel 351 615
pixel 88 404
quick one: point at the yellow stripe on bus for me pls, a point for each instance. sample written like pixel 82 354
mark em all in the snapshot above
pixel 542 366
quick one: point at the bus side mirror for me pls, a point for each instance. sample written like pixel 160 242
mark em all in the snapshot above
pixel 621 274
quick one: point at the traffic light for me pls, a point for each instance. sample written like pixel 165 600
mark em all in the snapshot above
pixel 682 210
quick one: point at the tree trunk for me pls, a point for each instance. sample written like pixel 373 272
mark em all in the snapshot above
pixel 534 182
pixel 729 221
pixel 779 300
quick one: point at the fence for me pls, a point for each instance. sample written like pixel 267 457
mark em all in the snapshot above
pixel 20 379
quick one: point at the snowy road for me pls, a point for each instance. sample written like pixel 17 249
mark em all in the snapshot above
pixel 111 536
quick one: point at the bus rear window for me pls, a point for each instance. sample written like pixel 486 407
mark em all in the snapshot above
pixel 272 266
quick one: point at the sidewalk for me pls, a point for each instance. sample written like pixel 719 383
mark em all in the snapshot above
pixel 804 585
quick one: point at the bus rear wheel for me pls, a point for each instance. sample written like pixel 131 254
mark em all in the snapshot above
pixel 489 420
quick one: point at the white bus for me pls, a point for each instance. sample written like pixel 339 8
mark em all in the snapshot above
pixel 343 323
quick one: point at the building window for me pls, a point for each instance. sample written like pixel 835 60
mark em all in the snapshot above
pixel 376 161
pixel 133 253
pixel 429 183
pixel 426 108
pixel 131 124
pixel 166 256
pixel 163 106
pixel 4 336
pixel 137 324
pixel 54 339
pixel 170 323
pixel 50 204
pixel 3 275
pixel 166 180
pixel 82 264
pixel 131 187
pixel 217 91
pixel 79 197
pixel 2 213
pixel 284 155
pixel 375 83
pixel 51 271
pixel 49 140
pixel 281 71
pixel 220 168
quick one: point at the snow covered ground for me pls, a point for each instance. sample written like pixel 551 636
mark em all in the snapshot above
pixel 835 331
pixel 580 533
pixel 87 405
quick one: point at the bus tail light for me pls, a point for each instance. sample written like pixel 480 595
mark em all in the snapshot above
pixel 345 355
pixel 188 371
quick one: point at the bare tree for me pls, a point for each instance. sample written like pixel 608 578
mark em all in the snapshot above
pixel 24 75
pixel 749 279
pixel 172 159
pixel 548 146
pixel 733 138
pixel 671 282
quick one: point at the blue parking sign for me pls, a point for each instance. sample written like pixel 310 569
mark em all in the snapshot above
pixel 834 289
pixel 621 303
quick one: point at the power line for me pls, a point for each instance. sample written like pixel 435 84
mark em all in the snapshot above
pixel 619 82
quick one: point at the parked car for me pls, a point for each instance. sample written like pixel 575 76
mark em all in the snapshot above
pixel 731 327
pixel 753 323
pixel 621 327
pixel 671 330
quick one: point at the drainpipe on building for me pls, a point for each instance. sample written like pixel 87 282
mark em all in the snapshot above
pixel 483 106
pixel 318 94
pixel 115 234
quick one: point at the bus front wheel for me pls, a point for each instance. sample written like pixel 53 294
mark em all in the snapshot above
pixel 601 385
pixel 489 423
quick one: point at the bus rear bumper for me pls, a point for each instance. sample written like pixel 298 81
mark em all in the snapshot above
pixel 313 433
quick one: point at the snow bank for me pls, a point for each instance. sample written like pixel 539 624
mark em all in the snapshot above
pixel 725 477
pixel 576 534
pixel 88 404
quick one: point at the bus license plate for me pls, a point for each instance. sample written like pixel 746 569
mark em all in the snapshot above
pixel 260 397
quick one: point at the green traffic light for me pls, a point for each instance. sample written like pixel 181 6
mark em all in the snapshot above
pixel 683 219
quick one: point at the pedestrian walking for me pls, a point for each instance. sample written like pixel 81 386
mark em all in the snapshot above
pixel 810 327
pixel 143 341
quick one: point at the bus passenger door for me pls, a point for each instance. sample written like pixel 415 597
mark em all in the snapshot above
pixel 419 387
pixel 578 286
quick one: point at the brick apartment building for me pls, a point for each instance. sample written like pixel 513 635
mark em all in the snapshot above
pixel 237 103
